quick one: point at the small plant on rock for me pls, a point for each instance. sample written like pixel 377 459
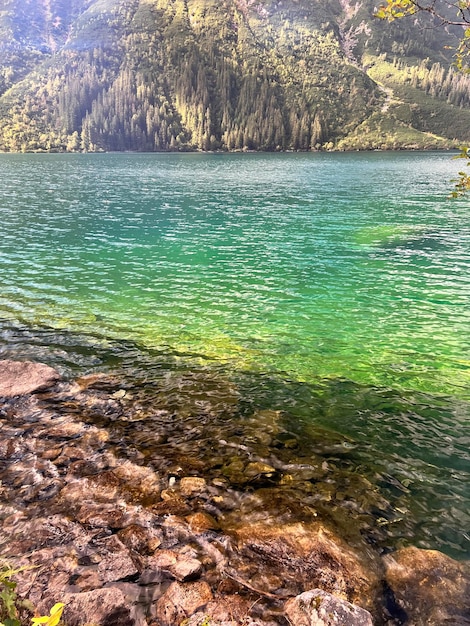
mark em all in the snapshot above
pixel 11 608
pixel 15 611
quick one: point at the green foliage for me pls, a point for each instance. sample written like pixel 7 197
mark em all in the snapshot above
pixel 442 13
pixel 11 608
pixel 395 9
pixel 384 131
pixel 15 611
pixel 426 96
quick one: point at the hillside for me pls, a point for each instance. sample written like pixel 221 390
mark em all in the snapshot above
pixel 223 74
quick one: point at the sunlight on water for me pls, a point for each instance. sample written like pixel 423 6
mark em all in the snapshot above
pixel 333 269
pixel 343 265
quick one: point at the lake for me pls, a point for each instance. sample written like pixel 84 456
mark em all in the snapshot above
pixel 333 289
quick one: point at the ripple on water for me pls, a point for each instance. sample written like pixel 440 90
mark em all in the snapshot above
pixel 355 286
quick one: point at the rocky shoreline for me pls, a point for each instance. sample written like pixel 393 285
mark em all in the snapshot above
pixel 123 536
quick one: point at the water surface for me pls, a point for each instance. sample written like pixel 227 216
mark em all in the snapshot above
pixel 333 287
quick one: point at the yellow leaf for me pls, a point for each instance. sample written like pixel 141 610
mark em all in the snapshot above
pixel 50 620
pixel 56 614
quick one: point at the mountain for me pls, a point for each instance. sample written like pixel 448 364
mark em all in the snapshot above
pixel 155 75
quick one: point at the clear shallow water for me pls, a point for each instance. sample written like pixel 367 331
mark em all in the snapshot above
pixel 347 272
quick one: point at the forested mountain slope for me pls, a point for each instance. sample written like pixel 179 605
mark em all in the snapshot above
pixel 223 74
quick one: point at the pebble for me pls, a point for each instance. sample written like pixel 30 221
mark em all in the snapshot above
pixel 192 485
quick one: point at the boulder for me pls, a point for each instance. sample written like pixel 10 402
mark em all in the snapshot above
pixel 18 378
pixel 430 587
pixel 288 559
pixel 319 608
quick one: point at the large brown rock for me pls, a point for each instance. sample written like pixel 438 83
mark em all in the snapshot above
pixel 292 558
pixel 18 378
pixel 430 587
pixel 319 608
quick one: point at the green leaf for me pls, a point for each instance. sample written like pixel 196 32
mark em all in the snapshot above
pixel 12 622
pixel 8 599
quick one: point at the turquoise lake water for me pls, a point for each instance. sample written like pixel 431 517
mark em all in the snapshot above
pixel 348 274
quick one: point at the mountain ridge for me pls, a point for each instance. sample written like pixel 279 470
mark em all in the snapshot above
pixel 156 75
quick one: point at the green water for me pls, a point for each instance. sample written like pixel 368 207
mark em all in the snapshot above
pixel 349 272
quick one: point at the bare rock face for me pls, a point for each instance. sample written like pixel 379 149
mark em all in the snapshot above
pixel 430 587
pixel 18 378
pixel 319 608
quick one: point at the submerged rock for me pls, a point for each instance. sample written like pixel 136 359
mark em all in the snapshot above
pixel 140 539
pixel 429 587
pixel 287 559
pixel 186 569
pixel 192 485
pixel 180 601
pixel 319 608
pixel 257 470
pixel 115 562
pixel 201 522
pixel 119 511
pixel 23 377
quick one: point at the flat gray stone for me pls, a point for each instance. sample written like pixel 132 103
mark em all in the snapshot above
pixel 18 378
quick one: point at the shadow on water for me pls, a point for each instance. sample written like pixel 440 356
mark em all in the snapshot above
pixel 383 467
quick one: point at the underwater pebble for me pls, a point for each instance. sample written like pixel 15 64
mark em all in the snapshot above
pixel 191 485
pixel 256 469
